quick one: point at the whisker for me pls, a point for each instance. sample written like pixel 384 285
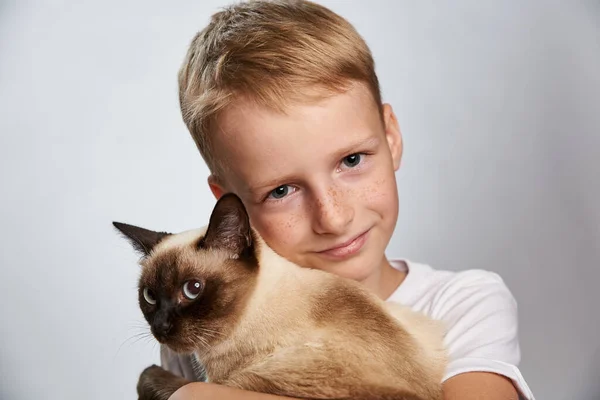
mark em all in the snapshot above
pixel 210 330
pixel 204 342
pixel 211 333
pixel 138 324
pixel 136 338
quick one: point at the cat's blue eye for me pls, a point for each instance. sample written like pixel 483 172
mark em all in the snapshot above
pixel 192 289
pixel 352 160
pixel 149 296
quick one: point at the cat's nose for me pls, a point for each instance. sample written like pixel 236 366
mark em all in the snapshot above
pixel 163 328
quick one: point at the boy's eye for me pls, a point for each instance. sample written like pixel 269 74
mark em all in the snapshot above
pixel 352 160
pixel 280 192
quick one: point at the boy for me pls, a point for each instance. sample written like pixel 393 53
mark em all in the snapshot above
pixel 284 105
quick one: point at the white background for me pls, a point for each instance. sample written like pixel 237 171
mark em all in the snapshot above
pixel 499 106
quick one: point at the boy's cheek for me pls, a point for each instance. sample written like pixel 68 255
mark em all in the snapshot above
pixel 279 233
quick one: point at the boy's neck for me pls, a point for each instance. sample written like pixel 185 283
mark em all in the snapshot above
pixel 385 281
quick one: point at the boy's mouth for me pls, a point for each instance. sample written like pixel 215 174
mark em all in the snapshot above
pixel 347 248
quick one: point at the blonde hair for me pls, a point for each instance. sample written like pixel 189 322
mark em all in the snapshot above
pixel 273 53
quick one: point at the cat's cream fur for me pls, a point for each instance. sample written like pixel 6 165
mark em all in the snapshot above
pixel 277 279
pixel 305 333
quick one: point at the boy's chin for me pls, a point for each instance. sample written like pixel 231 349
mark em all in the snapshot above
pixel 356 268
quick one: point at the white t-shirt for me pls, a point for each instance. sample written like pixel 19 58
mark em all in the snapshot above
pixel 477 308
pixel 480 315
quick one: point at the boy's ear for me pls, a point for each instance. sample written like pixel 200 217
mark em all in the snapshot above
pixel 215 187
pixel 393 135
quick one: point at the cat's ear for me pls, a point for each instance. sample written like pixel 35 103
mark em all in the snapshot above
pixel 142 240
pixel 229 226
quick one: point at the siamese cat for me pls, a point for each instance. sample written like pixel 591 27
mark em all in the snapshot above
pixel 258 322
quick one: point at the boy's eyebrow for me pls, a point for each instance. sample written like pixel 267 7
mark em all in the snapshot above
pixel 372 141
pixel 361 145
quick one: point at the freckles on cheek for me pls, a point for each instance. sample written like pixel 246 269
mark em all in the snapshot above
pixel 375 191
pixel 380 195
pixel 280 233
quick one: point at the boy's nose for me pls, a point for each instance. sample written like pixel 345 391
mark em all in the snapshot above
pixel 333 215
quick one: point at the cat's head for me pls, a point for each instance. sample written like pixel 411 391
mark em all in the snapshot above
pixel 194 285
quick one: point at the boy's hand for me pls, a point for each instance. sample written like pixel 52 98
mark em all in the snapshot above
pixel 210 391
pixel 479 386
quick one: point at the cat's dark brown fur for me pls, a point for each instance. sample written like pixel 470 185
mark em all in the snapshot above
pixel 264 324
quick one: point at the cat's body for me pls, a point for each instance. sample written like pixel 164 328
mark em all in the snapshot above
pixel 268 325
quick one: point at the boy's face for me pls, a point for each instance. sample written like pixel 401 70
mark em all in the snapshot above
pixel 318 182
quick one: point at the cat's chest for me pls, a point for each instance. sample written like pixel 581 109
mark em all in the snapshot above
pixel 254 346
pixel 277 316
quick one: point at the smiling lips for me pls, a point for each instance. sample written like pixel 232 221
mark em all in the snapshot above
pixel 348 248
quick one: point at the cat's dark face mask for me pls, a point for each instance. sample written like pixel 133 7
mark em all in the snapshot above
pixel 191 286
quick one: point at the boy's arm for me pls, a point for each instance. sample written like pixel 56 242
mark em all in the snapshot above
pixel 479 385
pixel 482 338
pixel 468 386
pixel 210 391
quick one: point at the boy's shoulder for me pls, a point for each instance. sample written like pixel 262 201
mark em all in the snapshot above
pixel 469 302
pixel 479 313
pixel 437 291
